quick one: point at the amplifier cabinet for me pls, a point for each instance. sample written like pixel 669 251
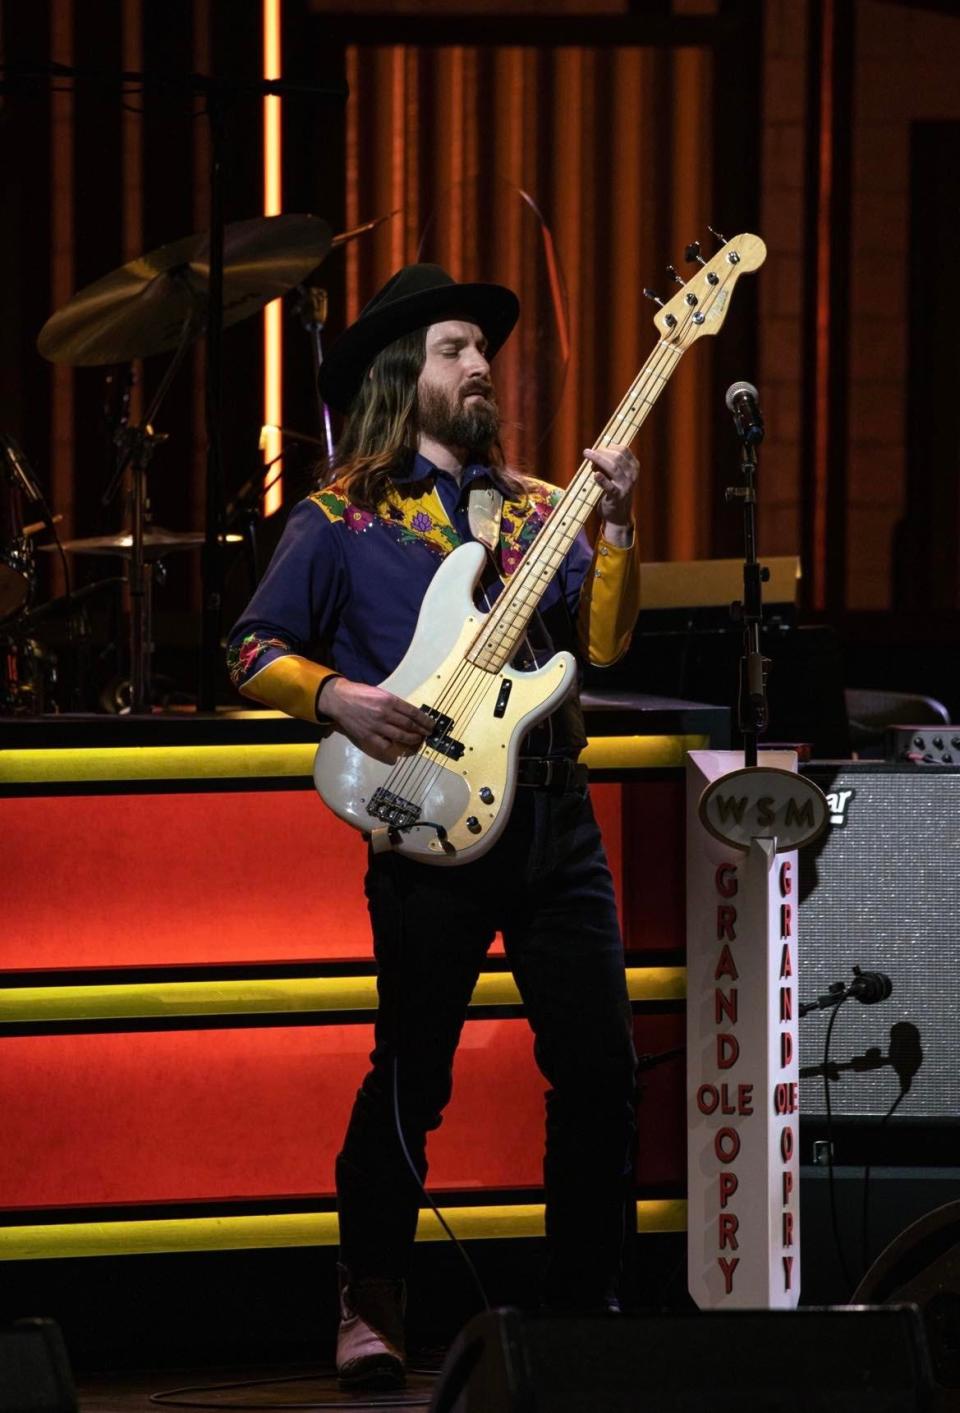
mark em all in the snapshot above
pixel 881 889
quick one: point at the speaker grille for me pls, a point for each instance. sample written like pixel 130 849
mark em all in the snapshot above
pixel 881 889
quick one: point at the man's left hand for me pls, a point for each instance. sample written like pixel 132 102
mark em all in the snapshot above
pixel 615 470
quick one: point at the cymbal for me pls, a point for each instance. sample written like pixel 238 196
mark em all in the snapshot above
pixel 156 542
pixel 142 307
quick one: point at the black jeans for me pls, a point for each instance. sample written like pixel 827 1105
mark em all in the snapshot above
pixel 546 885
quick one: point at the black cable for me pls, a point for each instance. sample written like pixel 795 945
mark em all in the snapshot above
pixel 171 1398
pixel 833 1196
pixel 865 1214
pixel 419 1181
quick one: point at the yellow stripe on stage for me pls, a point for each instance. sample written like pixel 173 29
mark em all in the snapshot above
pixel 68 765
pixel 640 752
pixel 171 1000
pixel 58 1240
pixel 94 763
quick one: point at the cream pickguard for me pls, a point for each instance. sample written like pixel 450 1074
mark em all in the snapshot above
pixel 448 803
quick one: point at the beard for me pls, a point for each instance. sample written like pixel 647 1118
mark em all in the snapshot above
pixel 473 429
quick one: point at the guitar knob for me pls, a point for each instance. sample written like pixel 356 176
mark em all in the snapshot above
pixel 486 794
pixel 473 824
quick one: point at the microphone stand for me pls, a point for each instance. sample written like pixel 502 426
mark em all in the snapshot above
pixel 752 708
pixel 872 1059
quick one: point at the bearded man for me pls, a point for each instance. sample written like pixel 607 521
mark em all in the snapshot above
pixel 333 617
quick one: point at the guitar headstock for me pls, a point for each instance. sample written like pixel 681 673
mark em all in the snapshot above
pixel 700 307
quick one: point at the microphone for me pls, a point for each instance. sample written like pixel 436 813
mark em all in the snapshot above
pixel 906 1052
pixel 868 987
pixel 22 472
pixel 743 401
pixel 23 476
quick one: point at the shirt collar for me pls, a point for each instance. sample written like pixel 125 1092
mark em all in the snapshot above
pixel 422 469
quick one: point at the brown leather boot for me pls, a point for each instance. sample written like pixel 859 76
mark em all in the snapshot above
pixel 370 1344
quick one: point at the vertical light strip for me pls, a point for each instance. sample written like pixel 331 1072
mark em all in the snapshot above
pixel 272 206
pixel 61 265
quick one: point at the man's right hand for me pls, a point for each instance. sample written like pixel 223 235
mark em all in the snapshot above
pixel 381 725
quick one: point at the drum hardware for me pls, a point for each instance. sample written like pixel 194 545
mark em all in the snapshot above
pixel 66 603
pixel 210 265
pixel 311 308
pixel 28 675
pixel 158 303
pixel 157 542
pixel 290 435
pixel 16 552
pixel 36 526
pixel 142 307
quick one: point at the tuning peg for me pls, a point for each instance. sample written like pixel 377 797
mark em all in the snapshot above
pixel 692 253
pixel 717 235
pixel 678 279
pixel 652 294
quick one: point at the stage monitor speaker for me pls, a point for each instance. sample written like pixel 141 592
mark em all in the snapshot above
pixel 829 1360
pixel 881 888
pixel 34 1369
pixel 923 1266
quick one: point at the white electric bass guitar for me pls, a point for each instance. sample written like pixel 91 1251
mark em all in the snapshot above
pixel 450 801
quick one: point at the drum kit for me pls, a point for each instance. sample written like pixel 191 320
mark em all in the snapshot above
pixel 154 304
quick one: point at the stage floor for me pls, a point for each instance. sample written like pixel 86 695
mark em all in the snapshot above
pixel 265 1387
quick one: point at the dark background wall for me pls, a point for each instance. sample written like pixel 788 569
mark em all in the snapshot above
pixel 830 129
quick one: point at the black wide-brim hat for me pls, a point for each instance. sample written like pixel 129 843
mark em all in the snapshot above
pixel 415 296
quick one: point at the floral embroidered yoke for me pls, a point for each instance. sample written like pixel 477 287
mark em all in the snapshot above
pixel 344 588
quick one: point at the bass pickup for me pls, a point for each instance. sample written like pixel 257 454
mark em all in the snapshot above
pixel 441 740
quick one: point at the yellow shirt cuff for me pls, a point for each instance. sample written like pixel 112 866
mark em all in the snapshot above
pixel 610 601
pixel 289 683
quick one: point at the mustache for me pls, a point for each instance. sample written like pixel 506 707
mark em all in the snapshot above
pixel 485 389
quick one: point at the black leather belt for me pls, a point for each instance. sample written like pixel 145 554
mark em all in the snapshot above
pixel 558 774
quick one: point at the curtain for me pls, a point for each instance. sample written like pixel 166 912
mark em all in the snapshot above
pixel 575 176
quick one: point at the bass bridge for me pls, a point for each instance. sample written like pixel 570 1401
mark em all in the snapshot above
pixel 393 809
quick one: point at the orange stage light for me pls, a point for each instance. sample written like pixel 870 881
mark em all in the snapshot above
pixel 272 206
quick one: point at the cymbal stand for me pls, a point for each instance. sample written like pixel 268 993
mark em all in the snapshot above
pixel 137 445
pixel 312 309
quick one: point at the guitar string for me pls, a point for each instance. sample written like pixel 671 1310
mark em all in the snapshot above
pixel 635 396
pixel 477 687
pixel 404 781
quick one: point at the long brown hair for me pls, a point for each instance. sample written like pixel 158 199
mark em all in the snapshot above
pixel 379 438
